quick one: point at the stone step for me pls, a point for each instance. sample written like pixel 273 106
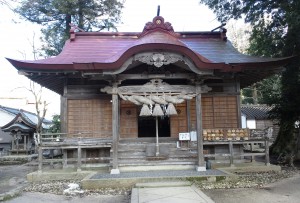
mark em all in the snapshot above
pixel 155 163
pixel 132 149
pixel 163 184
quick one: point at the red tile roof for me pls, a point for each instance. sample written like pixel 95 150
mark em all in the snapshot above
pixel 100 50
pixel 106 51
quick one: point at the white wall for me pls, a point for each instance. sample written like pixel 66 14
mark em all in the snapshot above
pixel 251 124
pixel 5 117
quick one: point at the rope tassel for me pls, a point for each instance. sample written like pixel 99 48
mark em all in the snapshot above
pixel 145 111
pixel 157 111
pixel 171 110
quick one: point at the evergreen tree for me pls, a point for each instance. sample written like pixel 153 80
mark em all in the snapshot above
pixel 276 28
pixel 56 16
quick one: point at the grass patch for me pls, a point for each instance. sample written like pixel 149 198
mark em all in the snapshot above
pixel 220 178
pixel 196 179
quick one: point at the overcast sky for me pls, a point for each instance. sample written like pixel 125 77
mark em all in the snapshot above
pixel 17 35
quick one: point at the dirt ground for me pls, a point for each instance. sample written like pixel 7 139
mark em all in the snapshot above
pixel 12 176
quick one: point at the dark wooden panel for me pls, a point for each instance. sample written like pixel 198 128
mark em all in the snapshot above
pixel 91 117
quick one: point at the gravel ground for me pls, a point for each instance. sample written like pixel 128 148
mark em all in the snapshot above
pixel 244 180
pixel 10 176
pixel 249 179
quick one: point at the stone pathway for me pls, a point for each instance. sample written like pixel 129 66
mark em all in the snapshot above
pixel 168 192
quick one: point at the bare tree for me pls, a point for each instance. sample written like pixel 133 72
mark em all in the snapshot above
pixel 40 108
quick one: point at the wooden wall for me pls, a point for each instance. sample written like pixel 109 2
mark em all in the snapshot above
pixel 128 120
pixel 178 123
pixel 217 112
pixel 93 117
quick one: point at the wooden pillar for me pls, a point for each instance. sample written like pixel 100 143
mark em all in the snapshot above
pixel 40 158
pixel 64 108
pixel 267 152
pixel 231 153
pixel 79 158
pixel 115 130
pixel 25 143
pixel 251 147
pixel 13 144
pixel 188 115
pixel 238 98
pixel 201 164
pixel 65 158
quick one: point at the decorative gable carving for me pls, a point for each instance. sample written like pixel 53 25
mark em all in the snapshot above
pixel 158 59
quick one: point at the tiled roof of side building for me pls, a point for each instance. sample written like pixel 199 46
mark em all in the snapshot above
pixel 258 112
pixel 10 110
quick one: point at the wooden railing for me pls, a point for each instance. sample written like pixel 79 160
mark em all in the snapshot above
pixel 231 154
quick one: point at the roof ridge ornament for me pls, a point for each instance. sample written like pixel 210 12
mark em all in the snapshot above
pixel 158 22
pixel 73 29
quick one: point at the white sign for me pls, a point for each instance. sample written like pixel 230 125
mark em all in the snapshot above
pixel 193 136
pixel 184 136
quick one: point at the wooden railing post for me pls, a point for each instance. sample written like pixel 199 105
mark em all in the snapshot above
pixel 65 158
pixel 267 154
pixel 231 153
pixel 40 158
pixel 79 158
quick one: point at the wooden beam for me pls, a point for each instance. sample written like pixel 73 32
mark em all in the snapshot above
pixel 156 76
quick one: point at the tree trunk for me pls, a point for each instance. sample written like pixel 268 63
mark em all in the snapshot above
pixel 68 27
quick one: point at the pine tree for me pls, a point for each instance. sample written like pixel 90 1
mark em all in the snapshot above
pixel 56 16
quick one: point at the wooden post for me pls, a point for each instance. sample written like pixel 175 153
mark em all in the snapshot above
pixel 201 164
pixel 156 130
pixel 79 158
pixel 25 143
pixel 252 157
pixel 267 154
pixel 65 158
pixel 115 130
pixel 188 115
pixel 238 98
pixel 40 158
pixel 13 144
pixel 231 153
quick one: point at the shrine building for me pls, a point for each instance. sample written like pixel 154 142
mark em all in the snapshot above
pixel 151 98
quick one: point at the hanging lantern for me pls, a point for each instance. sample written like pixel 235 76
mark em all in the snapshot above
pixel 145 111
pixel 157 111
pixel 171 110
